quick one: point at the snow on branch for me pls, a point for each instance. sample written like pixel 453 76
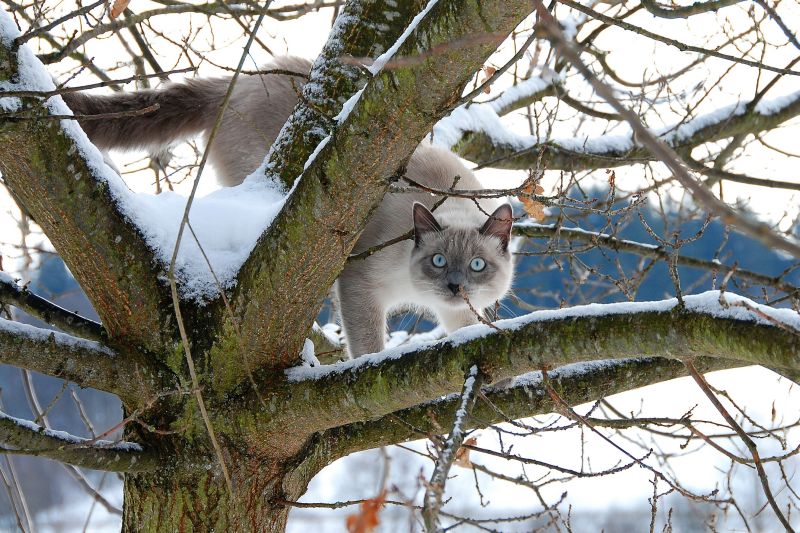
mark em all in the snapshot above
pixel 387 56
pixel 23 437
pixel 54 171
pixel 477 133
pixel 447 453
pixel 19 296
pixel 227 222
pixel 712 324
pixel 88 363
pixel 522 94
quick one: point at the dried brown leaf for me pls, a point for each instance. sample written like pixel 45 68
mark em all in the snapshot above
pixel 488 72
pixel 534 208
pixel 367 518
pixel 612 176
pixel 462 455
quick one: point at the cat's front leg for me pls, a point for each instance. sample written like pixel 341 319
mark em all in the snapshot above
pixel 363 318
pixel 453 319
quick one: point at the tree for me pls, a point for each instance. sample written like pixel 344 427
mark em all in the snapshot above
pixel 222 430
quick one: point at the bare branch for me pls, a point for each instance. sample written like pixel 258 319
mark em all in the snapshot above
pixel 79 88
pixel 26 438
pixel 81 480
pixel 650 250
pixel 718 174
pixel 673 42
pixel 132 377
pixel 663 151
pixel 21 297
pixel 751 446
pixel 779 21
pixel 211 8
pixel 675 12
pixel 374 386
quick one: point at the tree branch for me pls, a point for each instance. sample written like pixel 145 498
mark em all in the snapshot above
pixel 673 42
pixel 447 454
pixel 373 386
pixel 665 153
pixel 682 12
pixel 478 145
pixel 73 323
pixel 748 442
pixel 210 8
pixel 26 438
pixel 132 377
pixel 524 397
pixel 718 174
pixel 63 183
pixel 359 31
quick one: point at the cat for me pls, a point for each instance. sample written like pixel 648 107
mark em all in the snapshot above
pixel 458 263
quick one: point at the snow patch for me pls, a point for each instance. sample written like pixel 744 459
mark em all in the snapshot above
pixel 227 222
pixel 348 106
pixel 776 105
pixel 307 356
pixel 521 90
pixel 535 379
pixel 384 58
pixel 18 329
pixel 483 118
pixel 714 303
pixel 68 438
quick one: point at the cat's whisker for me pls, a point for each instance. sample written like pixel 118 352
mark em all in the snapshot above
pixel 509 310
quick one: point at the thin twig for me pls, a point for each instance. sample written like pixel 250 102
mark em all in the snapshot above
pixel 673 42
pixel 184 221
pixel 79 88
pixel 102 116
pixel 751 446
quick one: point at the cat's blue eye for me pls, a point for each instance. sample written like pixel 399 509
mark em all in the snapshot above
pixel 438 260
pixel 477 264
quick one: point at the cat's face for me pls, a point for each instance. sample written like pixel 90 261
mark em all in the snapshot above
pixel 448 263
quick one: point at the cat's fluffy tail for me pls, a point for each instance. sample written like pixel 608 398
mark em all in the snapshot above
pixel 184 109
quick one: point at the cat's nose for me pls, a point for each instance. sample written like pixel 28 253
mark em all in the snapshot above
pixel 454 288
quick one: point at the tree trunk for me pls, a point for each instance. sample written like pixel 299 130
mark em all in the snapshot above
pixel 198 500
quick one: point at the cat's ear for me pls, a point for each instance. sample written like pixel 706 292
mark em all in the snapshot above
pixel 424 221
pixel 499 225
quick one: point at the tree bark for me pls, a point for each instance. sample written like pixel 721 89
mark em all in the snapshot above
pixel 175 500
